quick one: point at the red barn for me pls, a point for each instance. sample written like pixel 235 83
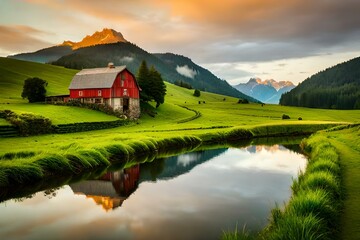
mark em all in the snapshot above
pixel 113 86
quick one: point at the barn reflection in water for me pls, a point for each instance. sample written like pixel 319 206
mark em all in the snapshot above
pixel 111 189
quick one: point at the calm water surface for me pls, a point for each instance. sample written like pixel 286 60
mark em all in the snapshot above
pixel 191 196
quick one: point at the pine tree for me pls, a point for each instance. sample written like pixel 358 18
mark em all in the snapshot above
pixel 151 83
pixel 143 80
pixel 158 88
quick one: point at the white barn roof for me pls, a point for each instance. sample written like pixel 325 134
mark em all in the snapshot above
pixel 95 78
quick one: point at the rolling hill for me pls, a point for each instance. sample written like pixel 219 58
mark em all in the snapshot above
pixel 110 46
pixel 45 55
pixel 337 87
pixel 13 73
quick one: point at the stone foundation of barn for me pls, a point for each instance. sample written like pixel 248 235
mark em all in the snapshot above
pixel 128 106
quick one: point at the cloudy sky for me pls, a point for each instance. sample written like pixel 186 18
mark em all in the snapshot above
pixel 235 39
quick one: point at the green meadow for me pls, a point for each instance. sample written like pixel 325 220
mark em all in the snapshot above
pixel 184 120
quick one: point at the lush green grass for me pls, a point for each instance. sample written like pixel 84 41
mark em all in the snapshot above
pixel 214 112
pixel 24 167
pixel 347 143
pixel 3 122
pixel 59 114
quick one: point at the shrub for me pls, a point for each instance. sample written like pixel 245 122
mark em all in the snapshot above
pixel 284 116
pixel 94 106
pixel 29 124
pixel 197 93
pixel 180 83
pixel 300 118
pixel 243 101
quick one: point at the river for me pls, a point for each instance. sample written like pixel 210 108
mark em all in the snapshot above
pixel 195 195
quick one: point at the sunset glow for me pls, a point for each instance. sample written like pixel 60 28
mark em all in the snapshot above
pixel 234 39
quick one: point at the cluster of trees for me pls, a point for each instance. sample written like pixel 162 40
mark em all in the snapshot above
pixel 337 88
pixel 183 84
pixel 340 98
pixel 151 83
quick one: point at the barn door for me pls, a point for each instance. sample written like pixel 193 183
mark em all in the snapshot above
pixel 125 104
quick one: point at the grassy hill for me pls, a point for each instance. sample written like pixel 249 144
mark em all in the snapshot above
pixel 337 87
pixel 180 104
pixel 13 73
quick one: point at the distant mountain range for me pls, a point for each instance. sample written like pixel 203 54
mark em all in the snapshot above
pixel 267 91
pixel 337 87
pixel 108 45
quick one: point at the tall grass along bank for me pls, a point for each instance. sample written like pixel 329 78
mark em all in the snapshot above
pixel 25 167
pixel 31 165
pixel 313 211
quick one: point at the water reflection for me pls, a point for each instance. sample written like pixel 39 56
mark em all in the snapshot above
pixel 177 165
pixel 191 196
pixel 111 189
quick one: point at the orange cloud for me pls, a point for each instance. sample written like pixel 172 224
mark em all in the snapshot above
pixel 20 38
pixel 234 27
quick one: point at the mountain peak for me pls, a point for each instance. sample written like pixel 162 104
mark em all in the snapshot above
pixel 267 91
pixel 106 36
pixel 271 82
pixel 255 80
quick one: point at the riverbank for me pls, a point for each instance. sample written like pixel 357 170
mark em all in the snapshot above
pixel 324 202
pixel 26 166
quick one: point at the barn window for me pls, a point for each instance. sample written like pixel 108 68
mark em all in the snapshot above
pixel 80 93
pixel 97 100
pixel 125 92
pixel 122 76
pixel 99 92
